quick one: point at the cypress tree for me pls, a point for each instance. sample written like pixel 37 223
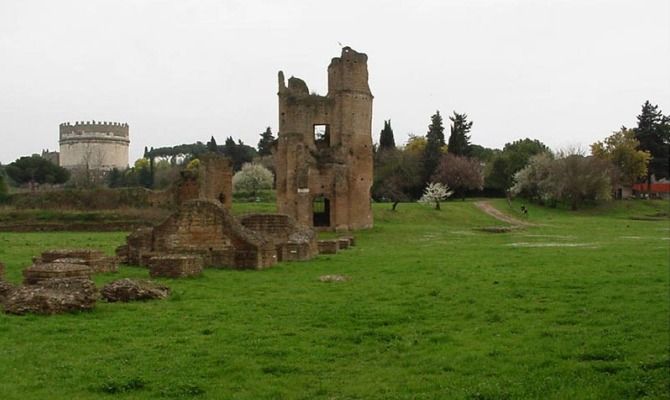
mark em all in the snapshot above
pixel 459 140
pixel 386 140
pixel 265 144
pixel 434 144
pixel 212 146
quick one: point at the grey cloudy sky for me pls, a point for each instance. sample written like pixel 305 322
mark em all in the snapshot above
pixel 564 72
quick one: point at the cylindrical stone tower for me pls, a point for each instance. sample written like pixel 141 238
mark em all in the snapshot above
pixel 95 145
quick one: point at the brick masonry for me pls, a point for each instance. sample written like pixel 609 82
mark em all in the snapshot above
pixel 175 266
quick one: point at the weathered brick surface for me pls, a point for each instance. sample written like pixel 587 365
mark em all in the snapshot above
pixel 40 272
pixel 84 254
pixel 213 180
pixel 122 253
pixel 94 259
pixel 352 240
pixel 292 241
pixel 139 241
pixel 329 246
pixel 6 290
pixel 175 266
pixel 207 229
pixel 146 256
pixel 344 243
pixel 336 168
pixel 53 296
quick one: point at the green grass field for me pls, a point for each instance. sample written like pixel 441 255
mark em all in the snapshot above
pixel 577 307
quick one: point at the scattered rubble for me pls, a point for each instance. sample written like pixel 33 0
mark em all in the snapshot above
pixel 334 278
pixel 53 296
pixel 6 290
pixel 125 290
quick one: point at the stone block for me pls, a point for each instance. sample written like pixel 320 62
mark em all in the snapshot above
pixel 84 254
pixel 39 272
pixel 175 266
pixel 329 246
pixel 344 243
pixel 352 240
pixel 94 259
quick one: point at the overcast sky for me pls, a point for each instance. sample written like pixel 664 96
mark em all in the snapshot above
pixel 564 72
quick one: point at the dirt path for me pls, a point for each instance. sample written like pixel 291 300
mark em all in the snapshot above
pixel 497 214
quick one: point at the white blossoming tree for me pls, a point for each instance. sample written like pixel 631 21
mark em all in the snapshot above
pixel 434 193
pixel 252 178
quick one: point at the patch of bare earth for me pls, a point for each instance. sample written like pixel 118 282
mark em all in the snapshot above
pixel 499 215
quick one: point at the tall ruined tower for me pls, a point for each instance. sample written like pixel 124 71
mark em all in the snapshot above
pixel 324 151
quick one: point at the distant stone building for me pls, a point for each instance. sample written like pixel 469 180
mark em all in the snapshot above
pixel 52 156
pixel 94 145
pixel 324 148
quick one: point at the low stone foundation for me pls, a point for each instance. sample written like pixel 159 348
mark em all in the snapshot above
pixel 145 258
pixel 37 273
pixel 94 259
pixel 344 243
pixel 293 242
pixel 175 266
pixel 329 246
pixel 53 296
pixel 294 252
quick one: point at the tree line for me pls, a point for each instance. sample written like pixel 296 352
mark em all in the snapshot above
pixel 525 167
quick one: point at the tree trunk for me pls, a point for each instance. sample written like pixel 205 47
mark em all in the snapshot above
pixel 395 204
pixel 437 205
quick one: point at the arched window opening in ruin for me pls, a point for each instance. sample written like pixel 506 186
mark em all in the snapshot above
pixel 322 135
pixel 321 211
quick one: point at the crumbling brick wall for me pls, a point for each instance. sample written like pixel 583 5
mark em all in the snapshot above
pixel 204 228
pixel 212 180
pixel 292 241
pixel 325 181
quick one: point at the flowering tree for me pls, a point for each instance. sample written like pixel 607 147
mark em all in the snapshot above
pixel 460 173
pixel 252 178
pixel 434 193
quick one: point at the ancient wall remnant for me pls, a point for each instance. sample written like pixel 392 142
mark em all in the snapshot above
pixel 324 150
pixel 292 241
pixel 94 145
pixel 175 266
pixel 95 260
pixel 205 228
pixel 212 180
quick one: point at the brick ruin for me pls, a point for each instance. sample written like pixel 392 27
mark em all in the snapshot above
pixel 324 148
pixel 213 180
pixel 292 242
pixel 205 228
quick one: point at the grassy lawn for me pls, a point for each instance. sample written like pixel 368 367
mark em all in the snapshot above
pixel 576 307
